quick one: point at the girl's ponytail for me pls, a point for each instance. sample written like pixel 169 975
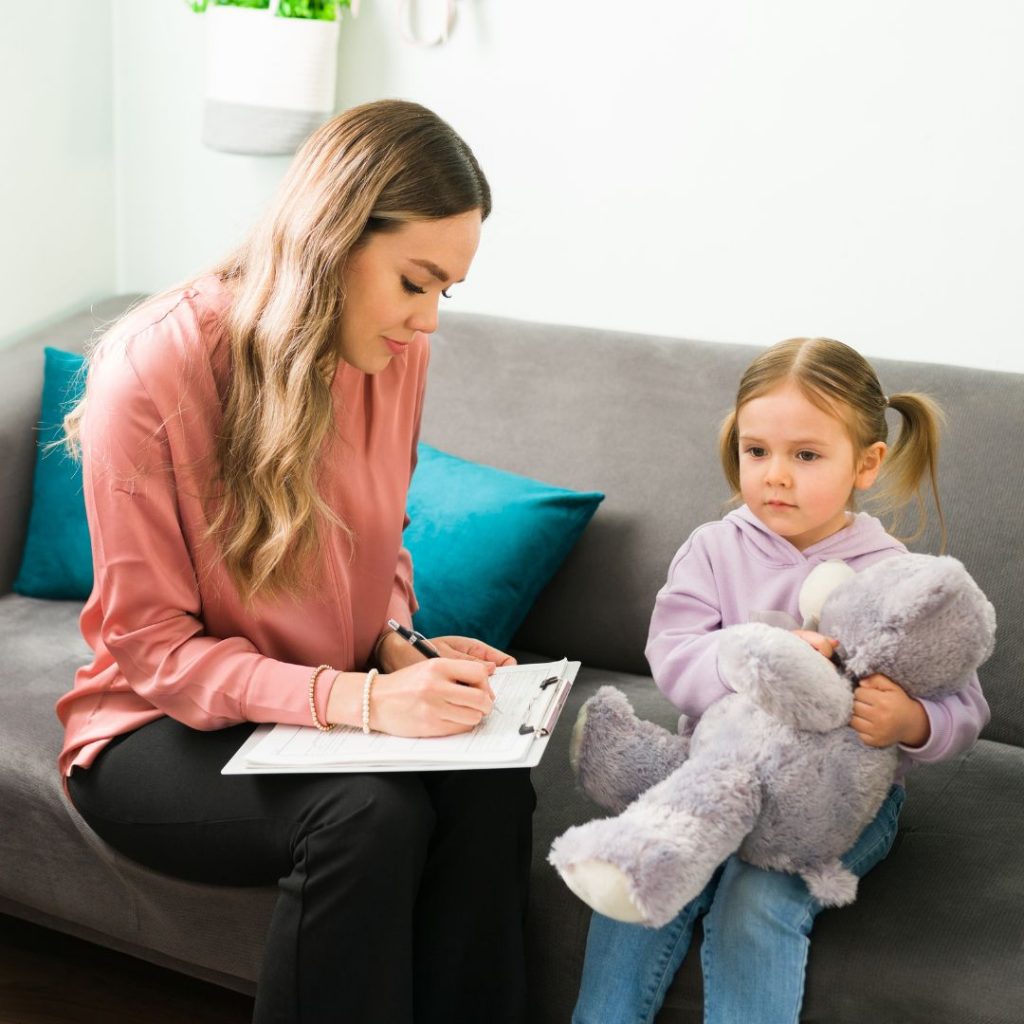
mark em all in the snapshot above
pixel 913 456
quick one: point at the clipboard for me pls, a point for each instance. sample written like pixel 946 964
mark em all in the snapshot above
pixel 529 701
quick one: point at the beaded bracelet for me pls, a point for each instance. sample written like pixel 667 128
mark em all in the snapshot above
pixel 322 726
pixel 370 676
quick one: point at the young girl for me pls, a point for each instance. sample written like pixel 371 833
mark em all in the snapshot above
pixel 807 432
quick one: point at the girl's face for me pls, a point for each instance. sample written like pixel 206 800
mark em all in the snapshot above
pixel 394 281
pixel 798 466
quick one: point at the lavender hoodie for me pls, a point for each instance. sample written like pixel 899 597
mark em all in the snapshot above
pixel 737 570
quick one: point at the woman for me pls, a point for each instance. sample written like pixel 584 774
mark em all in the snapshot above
pixel 247 444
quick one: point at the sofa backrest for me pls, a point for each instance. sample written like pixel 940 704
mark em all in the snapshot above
pixel 637 417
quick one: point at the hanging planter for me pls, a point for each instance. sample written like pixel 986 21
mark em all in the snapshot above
pixel 271 72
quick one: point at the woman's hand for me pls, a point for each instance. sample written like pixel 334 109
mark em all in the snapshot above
pixel 433 697
pixel 394 653
pixel 884 714
pixel 824 645
pixel 472 650
pixel 420 696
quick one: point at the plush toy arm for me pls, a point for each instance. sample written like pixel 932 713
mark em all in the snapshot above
pixel 617 756
pixel 785 676
pixel 645 865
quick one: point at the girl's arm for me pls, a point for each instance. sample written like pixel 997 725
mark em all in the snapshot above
pixel 955 723
pixel 682 645
pixel 927 730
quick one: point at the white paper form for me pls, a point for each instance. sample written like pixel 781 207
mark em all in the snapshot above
pixel 520 700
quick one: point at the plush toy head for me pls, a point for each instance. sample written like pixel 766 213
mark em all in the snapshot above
pixel 918 619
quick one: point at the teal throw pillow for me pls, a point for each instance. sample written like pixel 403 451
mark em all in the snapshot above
pixel 57 561
pixel 484 543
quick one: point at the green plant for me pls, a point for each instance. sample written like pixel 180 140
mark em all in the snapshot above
pixel 322 10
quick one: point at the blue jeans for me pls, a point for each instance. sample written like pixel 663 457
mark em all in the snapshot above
pixel 754 954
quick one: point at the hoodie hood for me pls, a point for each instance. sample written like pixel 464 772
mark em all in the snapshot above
pixel 863 536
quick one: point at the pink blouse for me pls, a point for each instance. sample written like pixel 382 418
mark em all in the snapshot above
pixel 169 633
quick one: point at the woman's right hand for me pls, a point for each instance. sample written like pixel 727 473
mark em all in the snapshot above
pixel 433 697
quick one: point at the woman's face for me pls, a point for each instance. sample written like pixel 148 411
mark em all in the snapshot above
pixel 394 281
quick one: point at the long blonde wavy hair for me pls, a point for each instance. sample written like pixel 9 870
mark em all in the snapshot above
pixel 840 381
pixel 370 169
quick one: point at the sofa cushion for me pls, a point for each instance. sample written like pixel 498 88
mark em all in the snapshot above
pixel 54 866
pixel 949 894
pixel 484 543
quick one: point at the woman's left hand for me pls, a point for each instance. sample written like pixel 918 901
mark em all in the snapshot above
pixel 884 714
pixel 395 653
pixel 470 650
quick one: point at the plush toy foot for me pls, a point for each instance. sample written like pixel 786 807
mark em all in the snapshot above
pixel 617 756
pixel 831 883
pixel 648 863
pixel 642 867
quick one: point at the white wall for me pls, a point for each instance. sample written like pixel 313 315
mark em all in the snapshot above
pixel 180 205
pixel 56 161
pixel 722 169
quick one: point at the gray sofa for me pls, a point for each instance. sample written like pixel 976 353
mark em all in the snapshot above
pixel 937 935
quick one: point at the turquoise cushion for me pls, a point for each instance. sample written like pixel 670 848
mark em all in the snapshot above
pixel 57 561
pixel 484 543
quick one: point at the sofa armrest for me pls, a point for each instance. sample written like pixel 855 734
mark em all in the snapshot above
pixel 21 382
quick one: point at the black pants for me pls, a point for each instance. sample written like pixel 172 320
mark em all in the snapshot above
pixel 401 895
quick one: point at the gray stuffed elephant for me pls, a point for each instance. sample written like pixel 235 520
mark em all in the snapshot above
pixel 772 771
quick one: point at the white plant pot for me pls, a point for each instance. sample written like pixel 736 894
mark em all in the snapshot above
pixel 269 81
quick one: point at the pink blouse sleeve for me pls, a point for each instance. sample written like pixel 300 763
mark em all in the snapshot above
pixel 146 580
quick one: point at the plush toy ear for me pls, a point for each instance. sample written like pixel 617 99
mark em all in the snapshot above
pixel 820 582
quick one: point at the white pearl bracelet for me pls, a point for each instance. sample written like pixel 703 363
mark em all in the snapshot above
pixel 367 685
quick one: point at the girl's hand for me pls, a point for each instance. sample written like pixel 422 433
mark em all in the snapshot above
pixel 884 714
pixel 824 645
pixel 433 697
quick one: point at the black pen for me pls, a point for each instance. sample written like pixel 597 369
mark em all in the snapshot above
pixel 418 640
